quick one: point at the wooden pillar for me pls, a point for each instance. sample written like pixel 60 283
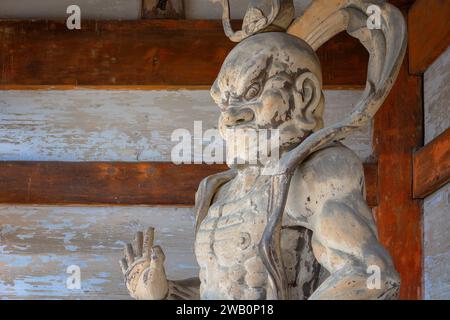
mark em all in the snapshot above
pixel 398 130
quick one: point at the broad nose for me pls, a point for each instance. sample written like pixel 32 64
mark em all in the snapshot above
pixel 235 115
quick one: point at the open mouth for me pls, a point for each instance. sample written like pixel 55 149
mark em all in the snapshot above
pixel 242 125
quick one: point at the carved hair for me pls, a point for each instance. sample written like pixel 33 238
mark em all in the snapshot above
pixel 261 16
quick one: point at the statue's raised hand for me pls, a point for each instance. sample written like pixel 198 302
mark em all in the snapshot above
pixel 143 268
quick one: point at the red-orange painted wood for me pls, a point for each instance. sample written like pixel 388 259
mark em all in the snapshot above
pixel 397 131
pixel 99 183
pixel 114 183
pixel 429 33
pixel 432 166
pixel 143 54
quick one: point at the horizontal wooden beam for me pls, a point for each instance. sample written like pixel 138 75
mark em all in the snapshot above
pixel 114 183
pixel 142 54
pixel 429 33
pixel 122 183
pixel 432 166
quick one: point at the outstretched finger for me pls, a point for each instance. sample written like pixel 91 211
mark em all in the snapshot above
pixel 129 255
pixel 157 254
pixel 148 241
pixel 138 243
pixel 123 265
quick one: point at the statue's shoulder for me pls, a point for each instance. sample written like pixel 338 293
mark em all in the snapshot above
pixel 333 162
pixel 329 173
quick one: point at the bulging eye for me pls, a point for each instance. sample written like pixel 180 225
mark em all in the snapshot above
pixel 252 92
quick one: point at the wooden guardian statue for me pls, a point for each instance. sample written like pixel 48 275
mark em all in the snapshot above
pixel 298 227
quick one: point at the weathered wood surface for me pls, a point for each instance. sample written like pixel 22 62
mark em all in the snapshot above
pixel 370 174
pixel 437 97
pixel 436 219
pixel 144 54
pixel 432 166
pixel 114 183
pixel 429 33
pixel 436 206
pixel 93 125
pixel 38 243
pixel 397 131
pixel 112 53
pixel 98 183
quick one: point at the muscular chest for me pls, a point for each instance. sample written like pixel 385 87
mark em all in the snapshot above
pixel 232 230
pixel 227 245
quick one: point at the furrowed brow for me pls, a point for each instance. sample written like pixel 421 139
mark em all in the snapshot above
pixel 257 71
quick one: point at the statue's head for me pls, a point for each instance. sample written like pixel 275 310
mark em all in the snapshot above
pixel 270 81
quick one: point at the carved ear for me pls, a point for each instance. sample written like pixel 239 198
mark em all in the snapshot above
pixel 308 95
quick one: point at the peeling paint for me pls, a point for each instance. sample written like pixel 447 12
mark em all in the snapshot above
pixel 437 206
pixel 97 125
pixel 437 97
pixel 37 248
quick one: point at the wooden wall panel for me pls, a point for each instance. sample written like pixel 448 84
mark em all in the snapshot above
pixel 127 126
pixel 38 243
pixel 436 91
pixel 397 132
pixel 436 209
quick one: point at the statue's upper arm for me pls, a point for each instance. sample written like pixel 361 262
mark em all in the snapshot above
pixel 332 173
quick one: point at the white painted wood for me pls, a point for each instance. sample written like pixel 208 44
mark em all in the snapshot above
pixel 38 243
pixel 437 97
pixel 437 244
pixel 437 205
pixel 90 125
pixel 338 105
pixel 98 125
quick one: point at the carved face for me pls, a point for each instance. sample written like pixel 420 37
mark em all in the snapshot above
pixel 269 81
